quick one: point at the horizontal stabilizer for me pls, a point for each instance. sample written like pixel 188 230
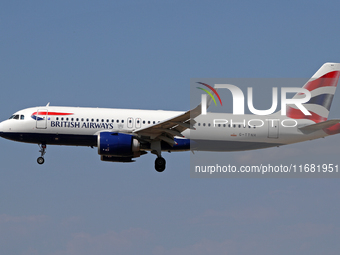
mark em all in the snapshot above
pixel 320 125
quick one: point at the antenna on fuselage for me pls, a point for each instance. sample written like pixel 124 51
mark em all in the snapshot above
pixel 48 104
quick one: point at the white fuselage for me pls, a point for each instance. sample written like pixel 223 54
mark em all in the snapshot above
pixel 213 132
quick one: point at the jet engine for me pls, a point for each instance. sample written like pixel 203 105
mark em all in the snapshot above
pixel 118 147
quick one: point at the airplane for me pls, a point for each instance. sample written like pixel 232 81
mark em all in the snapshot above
pixel 121 135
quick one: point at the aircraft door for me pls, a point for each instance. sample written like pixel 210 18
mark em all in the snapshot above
pixel 41 119
pixel 138 122
pixel 273 129
pixel 130 122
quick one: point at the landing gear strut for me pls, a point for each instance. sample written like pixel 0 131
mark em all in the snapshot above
pixel 41 159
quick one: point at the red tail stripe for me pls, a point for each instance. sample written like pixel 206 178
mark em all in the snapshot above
pixel 328 80
pixel 297 114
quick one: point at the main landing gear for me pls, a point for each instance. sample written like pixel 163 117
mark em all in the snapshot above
pixel 41 159
pixel 160 161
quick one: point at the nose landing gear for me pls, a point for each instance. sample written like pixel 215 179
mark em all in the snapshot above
pixel 41 159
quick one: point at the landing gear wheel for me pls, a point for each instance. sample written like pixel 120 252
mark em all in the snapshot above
pixel 40 160
pixel 160 164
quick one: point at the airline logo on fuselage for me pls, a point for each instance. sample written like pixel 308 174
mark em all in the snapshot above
pixel 40 115
pixel 69 124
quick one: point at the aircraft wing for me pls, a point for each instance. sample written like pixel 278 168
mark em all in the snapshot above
pixel 166 130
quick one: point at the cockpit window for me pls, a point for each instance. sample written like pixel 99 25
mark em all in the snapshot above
pixel 15 117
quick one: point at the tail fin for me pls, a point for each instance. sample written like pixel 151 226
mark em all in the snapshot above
pixel 322 86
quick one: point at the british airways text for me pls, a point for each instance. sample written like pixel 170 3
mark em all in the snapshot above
pixel 70 124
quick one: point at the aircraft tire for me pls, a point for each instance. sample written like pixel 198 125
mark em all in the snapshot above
pixel 160 164
pixel 40 160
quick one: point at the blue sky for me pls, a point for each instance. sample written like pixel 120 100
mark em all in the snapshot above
pixel 142 54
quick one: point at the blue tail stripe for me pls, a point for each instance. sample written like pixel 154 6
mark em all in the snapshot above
pixel 324 99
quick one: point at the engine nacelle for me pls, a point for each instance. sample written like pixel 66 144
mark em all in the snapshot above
pixel 118 144
pixel 116 159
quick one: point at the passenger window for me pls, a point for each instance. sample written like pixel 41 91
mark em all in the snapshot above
pixel 143 121
pixel 122 121
pixel 154 122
